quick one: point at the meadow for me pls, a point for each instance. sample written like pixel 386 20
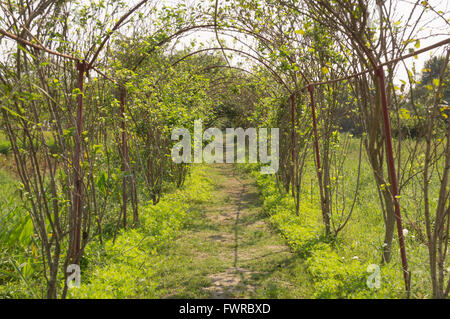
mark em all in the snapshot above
pixel 129 265
pixel 95 202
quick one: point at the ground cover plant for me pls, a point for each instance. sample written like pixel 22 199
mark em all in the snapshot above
pixel 94 204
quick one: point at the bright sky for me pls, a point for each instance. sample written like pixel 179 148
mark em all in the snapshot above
pixel 433 28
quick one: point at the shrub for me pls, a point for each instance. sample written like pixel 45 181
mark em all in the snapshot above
pixel 337 276
pixel 124 269
pixel 5 147
pixel 334 273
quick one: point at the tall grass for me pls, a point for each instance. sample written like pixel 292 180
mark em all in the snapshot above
pixel 361 241
pixel 5 145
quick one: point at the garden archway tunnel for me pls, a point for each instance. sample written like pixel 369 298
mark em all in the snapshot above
pixel 291 86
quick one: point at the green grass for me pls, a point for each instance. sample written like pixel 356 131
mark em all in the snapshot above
pixel 10 210
pixel 126 268
pixel 229 255
pixel 7 185
pixel 338 269
pixel 360 243
pixel 5 145
pixel 186 245
pixel 194 244
pixel 5 148
pixel 16 260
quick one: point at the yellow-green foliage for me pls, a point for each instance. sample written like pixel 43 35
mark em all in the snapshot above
pixel 5 145
pixel 301 232
pixel 336 273
pixel 124 269
pixel 338 276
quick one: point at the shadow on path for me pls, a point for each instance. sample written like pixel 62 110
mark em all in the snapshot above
pixel 228 249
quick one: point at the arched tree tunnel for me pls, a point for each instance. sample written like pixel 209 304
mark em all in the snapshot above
pixel 107 88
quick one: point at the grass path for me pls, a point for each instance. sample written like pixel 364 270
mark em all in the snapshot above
pixel 228 249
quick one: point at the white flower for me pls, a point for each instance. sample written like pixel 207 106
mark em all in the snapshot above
pixel 405 232
pixel 355 257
